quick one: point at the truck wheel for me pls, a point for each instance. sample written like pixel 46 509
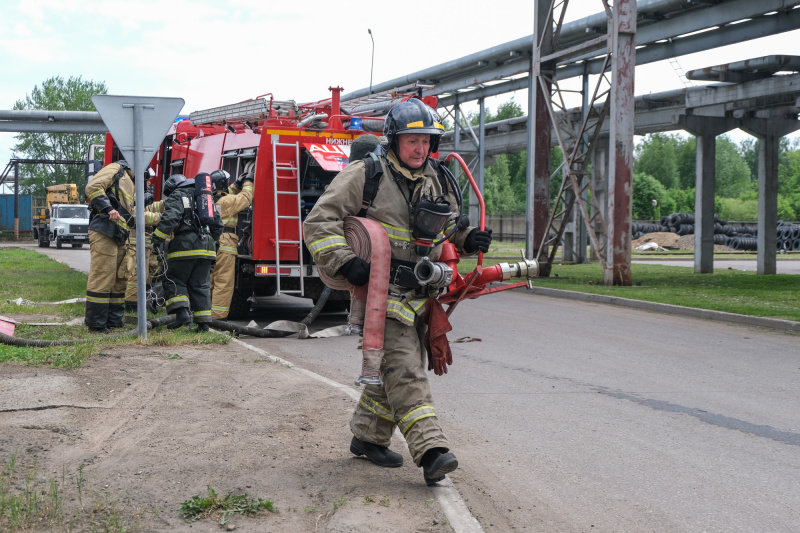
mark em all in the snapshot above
pixel 240 304
pixel 45 242
pixel 58 242
pixel 77 245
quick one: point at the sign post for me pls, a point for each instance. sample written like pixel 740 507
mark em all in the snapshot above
pixel 138 124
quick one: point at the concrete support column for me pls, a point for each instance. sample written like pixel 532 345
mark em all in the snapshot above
pixel 622 32
pixel 600 187
pixel 769 133
pixel 706 130
pixel 568 237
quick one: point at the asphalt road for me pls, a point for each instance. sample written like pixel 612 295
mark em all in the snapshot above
pixel 571 416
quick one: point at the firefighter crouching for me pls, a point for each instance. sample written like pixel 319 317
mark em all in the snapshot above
pixel 408 181
pixel 110 194
pixel 152 216
pixel 230 202
pixel 190 255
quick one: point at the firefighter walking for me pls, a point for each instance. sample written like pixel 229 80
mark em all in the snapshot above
pixel 111 195
pixel 190 255
pixel 409 199
pixel 230 202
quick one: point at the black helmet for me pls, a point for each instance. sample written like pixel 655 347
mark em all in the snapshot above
pixel 413 116
pixel 173 182
pixel 220 180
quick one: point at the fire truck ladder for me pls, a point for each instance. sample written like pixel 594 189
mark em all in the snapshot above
pixel 293 170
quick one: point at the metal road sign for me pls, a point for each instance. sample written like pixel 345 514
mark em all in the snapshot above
pixel 118 114
pixel 138 124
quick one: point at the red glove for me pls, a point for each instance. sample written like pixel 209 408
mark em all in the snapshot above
pixel 439 354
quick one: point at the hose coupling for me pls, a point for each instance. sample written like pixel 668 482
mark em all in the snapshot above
pixel 435 274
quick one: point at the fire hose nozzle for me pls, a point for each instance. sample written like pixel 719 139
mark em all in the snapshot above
pixel 437 275
pixel 527 268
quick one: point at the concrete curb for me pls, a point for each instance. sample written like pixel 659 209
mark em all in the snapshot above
pixel 706 314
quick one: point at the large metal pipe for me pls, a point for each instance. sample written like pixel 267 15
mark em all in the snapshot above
pixel 51 116
pixel 576 30
pixel 52 127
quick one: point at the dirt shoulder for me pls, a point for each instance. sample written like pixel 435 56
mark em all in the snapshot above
pixel 144 429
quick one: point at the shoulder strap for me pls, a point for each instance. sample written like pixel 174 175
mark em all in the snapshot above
pixel 437 166
pixel 372 175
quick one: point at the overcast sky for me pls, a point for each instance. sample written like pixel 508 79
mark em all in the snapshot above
pixel 216 52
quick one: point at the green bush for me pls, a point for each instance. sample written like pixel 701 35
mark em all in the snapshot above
pixel 736 209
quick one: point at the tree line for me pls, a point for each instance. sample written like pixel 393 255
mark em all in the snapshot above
pixel 56 94
pixel 664 171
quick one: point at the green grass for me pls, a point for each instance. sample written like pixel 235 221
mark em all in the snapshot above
pixel 30 502
pixel 731 291
pixel 33 276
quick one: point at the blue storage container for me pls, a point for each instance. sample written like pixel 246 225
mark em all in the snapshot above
pixel 7 212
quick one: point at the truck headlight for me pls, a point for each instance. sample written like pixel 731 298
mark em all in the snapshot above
pixel 61 230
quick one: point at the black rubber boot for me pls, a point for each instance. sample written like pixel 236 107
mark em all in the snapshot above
pixel 116 312
pixel 202 327
pixel 436 463
pixel 380 455
pixel 182 317
pixel 96 315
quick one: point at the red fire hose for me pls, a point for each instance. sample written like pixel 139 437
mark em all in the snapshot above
pixel 369 241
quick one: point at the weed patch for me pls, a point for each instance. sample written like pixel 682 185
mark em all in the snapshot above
pixel 221 508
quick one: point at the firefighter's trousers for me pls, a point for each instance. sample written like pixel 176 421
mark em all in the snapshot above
pixel 224 276
pixel 105 290
pixel 405 398
pixel 186 284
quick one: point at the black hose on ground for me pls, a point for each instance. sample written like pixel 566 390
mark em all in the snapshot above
pixel 40 343
pixel 274 333
pixel 156 322
pixel 323 299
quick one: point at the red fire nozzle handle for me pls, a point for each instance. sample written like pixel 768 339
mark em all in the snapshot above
pixel 482 224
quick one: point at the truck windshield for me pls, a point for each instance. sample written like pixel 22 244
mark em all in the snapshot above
pixel 73 211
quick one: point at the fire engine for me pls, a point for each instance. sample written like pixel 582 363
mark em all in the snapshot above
pixel 295 151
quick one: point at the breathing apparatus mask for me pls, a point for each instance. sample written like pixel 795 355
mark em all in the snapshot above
pixel 429 217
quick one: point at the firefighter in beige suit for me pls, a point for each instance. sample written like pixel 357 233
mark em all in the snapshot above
pixel 110 194
pixel 230 202
pixel 407 180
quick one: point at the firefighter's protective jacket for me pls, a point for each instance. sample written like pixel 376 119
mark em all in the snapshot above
pixel 230 205
pixel 324 233
pixel 105 192
pixel 189 241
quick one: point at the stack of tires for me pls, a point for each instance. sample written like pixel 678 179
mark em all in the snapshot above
pixel 735 236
